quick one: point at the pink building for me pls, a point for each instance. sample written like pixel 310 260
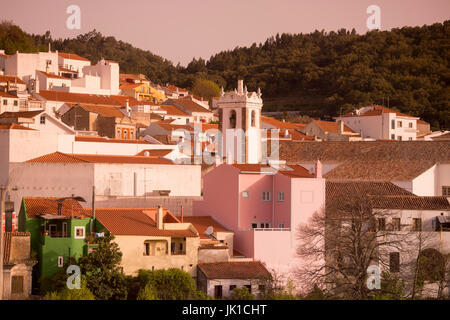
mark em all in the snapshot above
pixel 264 206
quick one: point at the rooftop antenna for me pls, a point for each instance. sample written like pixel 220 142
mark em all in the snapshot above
pixel 209 232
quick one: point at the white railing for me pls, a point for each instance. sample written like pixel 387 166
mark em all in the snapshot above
pixel 271 229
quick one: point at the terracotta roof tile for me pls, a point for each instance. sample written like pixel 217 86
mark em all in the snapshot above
pixel 234 270
pixel 109 140
pixel 296 171
pixel 172 127
pixel 59 157
pixel 174 111
pixel 331 126
pixel 11 79
pixel 72 56
pixel 68 97
pixel 39 206
pixel 105 111
pixel 21 114
pixel 333 151
pixel 375 111
pixel 201 223
pixel 282 125
pixel 379 170
pixel 247 167
pixel 137 221
pixel 155 152
pixel 54 76
pixel 409 202
pixel 188 105
pixel 14 126
pixel 7 95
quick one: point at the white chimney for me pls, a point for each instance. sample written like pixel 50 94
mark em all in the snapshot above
pixel 340 126
pixel 318 169
pixel 159 218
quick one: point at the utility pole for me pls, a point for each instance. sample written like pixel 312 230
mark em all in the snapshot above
pixel 2 212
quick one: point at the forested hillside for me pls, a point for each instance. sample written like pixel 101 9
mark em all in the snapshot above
pixel 321 73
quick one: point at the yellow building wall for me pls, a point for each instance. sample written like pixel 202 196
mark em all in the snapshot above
pixel 133 257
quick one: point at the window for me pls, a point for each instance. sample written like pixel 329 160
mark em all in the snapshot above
pixel 395 224
pixel 392 124
pixel 42 119
pixel 79 232
pixel 381 224
pixel 446 191
pixel 60 261
pixel 410 138
pixel 254 225
pixel 16 103
pixel 253 118
pixel 417 224
pixel 410 124
pixel 261 288
pixel 280 196
pixel 147 249
pixel 266 196
pixel 249 287
pixel 232 287
pixel 281 225
pixel 17 284
pixel 245 194
pixel 5 102
pixel 400 138
pixel 232 119
pixel 399 124
pixel 217 292
pixel 125 134
pixel 394 262
pixel 393 136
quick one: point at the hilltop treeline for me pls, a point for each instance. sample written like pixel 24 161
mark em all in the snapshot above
pixel 321 73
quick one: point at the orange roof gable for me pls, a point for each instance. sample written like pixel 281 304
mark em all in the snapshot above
pixel 331 126
pixel 201 223
pixel 70 97
pixel 72 56
pixel 39 206
pixel 59 157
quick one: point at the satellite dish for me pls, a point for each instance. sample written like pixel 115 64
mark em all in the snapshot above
pixel 209 231
pixel 146 153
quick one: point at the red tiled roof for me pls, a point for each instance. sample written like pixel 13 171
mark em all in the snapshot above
pixel 11 79
pixel 339 151
pixel 296 172
pixel 165 139
pixel 72 56
pixel 409 202
pixel 7 95
pixel 172 110
pixel 138 221
pixel 375 111
pixel 127 86
pixel 110 140
pixel 247 167
pixel 14 126
pixel 201 223
pixel 331 126
pixel 155 152
pixel 207 126
pixel 52 75
pixel 376 170
pixel 59 157
pixel 39 206
pixel 66 70
pixel 172 127
pixel 234 270
pixel 87 98
pixel 105 111
pixel 282 125
pixel 21 114
pixel 188 105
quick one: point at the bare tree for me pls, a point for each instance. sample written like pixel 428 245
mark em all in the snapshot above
pixel 339 244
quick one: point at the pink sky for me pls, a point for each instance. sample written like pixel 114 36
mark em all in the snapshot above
pixel 182 29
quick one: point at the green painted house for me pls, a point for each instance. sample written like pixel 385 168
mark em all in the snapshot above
pixel 59 230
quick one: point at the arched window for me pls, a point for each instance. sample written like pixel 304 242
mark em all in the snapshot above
pixel 233 119
pixel 253 118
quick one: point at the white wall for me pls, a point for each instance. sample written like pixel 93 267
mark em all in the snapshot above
pixel 139 179
pixel 443 178
pixel 424 184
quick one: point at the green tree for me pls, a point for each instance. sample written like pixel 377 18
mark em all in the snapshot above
pixel 170 284
pixel 149 292
pixel 71 294
pixel 102 270
pixel 206 88
pixel 241 293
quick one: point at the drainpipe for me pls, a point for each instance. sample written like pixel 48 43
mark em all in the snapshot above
pixel 2 212
pixel 182 217
pixel 273 200
pixel 93 210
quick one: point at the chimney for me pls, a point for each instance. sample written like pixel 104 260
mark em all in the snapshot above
pixel 240 87
pixel 340 126
pixel 318 169
pixel 159 218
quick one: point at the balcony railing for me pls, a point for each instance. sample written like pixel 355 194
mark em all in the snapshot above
pixel 271 229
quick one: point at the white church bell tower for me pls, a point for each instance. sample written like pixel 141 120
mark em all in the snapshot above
pixel 240 124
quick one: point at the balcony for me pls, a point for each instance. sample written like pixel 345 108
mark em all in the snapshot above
pixel 271 229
